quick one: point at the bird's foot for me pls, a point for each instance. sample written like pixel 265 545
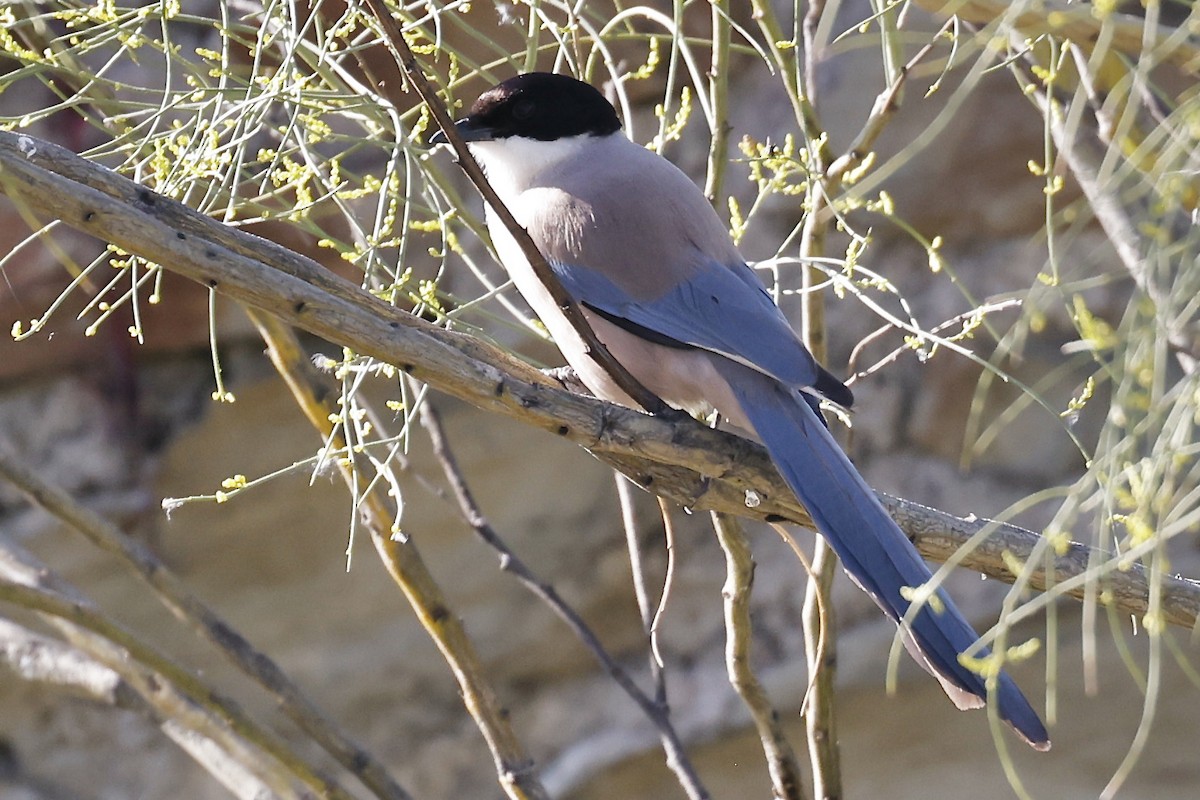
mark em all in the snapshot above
pixel 568 378
pixel 673 415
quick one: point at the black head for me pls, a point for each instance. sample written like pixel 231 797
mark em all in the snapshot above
pixel 537 105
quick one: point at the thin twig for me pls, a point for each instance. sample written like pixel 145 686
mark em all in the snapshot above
pixel 789 538
pixel 719 75
pixel 664 508
pixel 801 86
pixel 828 174
pixel 637 574
pixel 655 710
pixel 40 659
pixel 184 701
pixel 820 650
pixel 857 372
pixel 817 615
pixel 883 110
pixel 739 577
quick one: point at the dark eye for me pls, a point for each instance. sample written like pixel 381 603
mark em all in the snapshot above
pixel 523 110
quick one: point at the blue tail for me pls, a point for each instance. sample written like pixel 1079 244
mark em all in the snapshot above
pixel 872 548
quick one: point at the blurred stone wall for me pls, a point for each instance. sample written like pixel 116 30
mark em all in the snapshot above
pixel 121 426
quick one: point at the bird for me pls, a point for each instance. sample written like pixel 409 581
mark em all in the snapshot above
pixel 644 255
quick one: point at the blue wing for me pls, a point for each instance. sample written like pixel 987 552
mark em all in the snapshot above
pixel 718 308
pixel 663 262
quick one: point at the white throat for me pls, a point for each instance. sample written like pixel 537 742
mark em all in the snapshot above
pixel 513 164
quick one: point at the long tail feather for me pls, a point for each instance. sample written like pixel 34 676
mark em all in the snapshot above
pixel 872 548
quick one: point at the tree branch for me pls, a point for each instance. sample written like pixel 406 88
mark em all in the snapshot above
pixel 40 659
pixel 403 561
pixel 175 696
pixel 43 660
pixel 204 622
pixel 680 459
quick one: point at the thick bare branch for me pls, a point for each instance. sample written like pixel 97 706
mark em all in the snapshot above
pixel 679 459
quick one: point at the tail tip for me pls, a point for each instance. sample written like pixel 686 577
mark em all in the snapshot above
pixel 1034 734
pixel 1024 721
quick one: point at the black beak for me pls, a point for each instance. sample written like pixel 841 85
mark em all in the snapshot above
pixel 468 129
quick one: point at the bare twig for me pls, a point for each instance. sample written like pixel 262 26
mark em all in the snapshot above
pixel 205 622
pixel 637 574
pixel 700 468
pixel 820 627
pixel 800 82
pixel 718 89
pixel 739 577
pixel 883 110
pixel 820 650
pixel 178 698
pixel 656 710
pixel 828 174
pixel 664 508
